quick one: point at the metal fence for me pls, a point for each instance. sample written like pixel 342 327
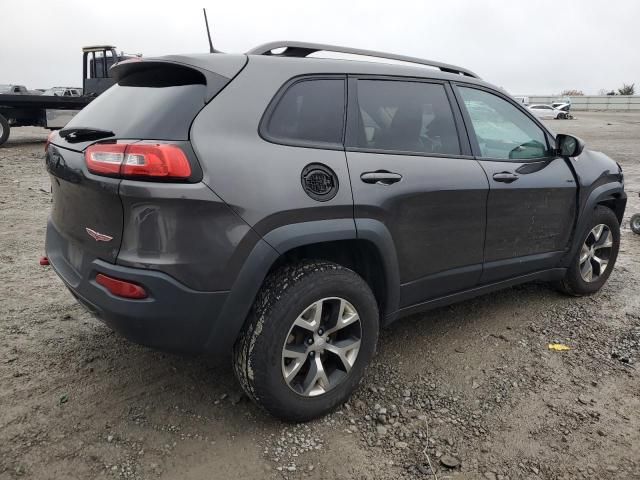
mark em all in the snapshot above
pixel 594 102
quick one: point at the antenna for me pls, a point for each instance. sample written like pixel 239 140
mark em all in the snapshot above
pixel 206 22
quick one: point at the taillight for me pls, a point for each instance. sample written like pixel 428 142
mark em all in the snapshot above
pixel 138 160
pixel 160 160
pixel 121 288
pixel 105 159
pixel 49 137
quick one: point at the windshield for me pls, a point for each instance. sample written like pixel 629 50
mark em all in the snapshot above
pixel 5 88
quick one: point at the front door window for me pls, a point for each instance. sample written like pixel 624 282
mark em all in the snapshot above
pixel 503 131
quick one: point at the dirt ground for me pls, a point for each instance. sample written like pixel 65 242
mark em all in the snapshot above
pixel 471 386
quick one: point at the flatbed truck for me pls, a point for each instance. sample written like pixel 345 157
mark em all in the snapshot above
pixel 54 112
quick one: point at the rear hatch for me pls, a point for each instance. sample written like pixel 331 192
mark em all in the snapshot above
pixel 150 110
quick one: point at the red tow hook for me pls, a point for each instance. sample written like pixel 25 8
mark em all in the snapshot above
pixel 44 261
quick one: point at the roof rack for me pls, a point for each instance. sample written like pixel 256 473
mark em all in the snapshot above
pixel 304 49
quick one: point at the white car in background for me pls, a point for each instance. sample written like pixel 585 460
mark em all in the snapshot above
pixel 565 107
pixel 547 111
pixel 64 92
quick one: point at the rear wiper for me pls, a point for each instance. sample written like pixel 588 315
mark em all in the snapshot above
pixel 81 134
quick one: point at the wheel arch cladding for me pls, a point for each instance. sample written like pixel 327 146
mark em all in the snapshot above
pixel 616 202
pixel 371 256
pixel 610 195
pixel 358 255
pixel 323 238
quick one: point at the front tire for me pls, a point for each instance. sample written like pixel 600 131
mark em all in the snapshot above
pixel 307 341
pixel 596 255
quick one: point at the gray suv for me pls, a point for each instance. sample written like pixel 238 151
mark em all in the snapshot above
pixel 286 208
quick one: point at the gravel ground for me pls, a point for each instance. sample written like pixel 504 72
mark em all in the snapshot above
pixel 468 391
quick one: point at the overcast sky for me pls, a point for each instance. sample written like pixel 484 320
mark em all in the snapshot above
pixel 525 46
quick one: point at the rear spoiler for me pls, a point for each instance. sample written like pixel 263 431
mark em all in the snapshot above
pixel 213 71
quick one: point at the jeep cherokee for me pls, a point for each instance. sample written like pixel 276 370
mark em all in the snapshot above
pixel 286 208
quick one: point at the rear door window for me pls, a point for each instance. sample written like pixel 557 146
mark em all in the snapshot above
pixel 406 116
pixel 310 113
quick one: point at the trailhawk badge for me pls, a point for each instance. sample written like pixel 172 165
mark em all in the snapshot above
pixel 97 236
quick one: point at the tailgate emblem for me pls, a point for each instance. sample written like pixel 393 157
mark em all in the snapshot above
pixel 97 236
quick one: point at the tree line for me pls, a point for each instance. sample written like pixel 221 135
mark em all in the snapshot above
pixel 629 89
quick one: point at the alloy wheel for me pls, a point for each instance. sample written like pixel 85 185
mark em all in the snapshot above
pixel 321 347
pixel 595 253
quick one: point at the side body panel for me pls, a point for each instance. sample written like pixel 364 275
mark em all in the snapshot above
pixel 529 221
pixel 435 215
pixel 260 180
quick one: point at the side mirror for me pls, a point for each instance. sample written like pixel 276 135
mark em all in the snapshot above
pixel 568 145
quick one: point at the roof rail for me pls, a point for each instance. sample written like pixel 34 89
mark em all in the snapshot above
pixel 304 49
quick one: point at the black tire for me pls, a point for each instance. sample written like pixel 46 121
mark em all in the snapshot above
pixel 257 354
pixel 5 129
pixel 634 223
pixel 573 283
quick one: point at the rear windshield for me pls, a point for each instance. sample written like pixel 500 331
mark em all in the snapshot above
pixel 157 103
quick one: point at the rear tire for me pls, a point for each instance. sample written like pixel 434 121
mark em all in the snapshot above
pixel 5 128
pixel 586 275
pixel 260 355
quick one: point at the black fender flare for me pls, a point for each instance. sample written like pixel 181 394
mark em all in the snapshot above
pixel 231 318
pixel 607 192
pixel 282 239
pixel 378 234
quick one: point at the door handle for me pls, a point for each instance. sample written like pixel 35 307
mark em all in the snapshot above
pixel 505 177
pixel 381 177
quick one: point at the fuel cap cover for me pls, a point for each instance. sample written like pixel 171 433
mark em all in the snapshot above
pixel 319 182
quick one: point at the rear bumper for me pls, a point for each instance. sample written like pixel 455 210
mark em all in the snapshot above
pixel 173 317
